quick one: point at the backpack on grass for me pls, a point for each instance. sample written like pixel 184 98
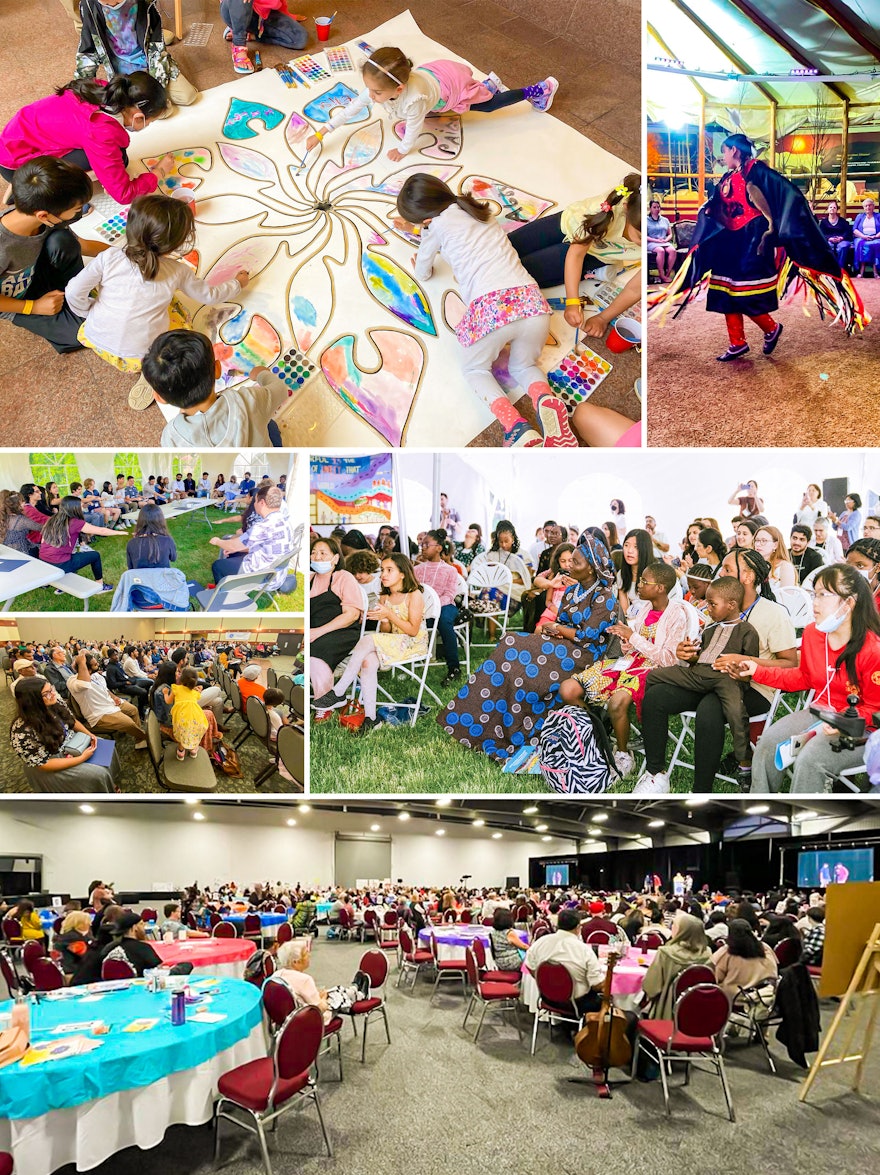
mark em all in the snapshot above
pixel 576 754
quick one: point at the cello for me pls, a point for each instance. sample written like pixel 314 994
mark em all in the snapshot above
pixel 602 1043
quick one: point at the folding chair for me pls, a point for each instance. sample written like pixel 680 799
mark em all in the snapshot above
pixel 233 592
pixel 486 576
pixel 417 668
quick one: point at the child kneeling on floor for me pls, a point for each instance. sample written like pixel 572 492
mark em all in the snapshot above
pixel 181 369
pixel 136 285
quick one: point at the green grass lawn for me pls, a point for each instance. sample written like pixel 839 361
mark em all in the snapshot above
pixel 194 558
pixel 424 758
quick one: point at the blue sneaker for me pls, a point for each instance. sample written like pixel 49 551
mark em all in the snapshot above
pixel 494 84
pixel 522 436
pixel 544 100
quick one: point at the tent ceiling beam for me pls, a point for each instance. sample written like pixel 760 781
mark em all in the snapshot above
pixel 666 49
pixel 792 48
pixel 729 53
pixel 841 14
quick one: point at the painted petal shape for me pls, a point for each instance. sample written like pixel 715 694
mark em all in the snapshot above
pixel 320 108
pixel 240 209
pixel 517 207
pixel 453 308
pixel 253 254
pixel 244 341
pixel 242 113
pixel 201 157
pixel 247 162
pixel 391 185
pixel 361 148
pixel 296 131
pixel 310 302
pixel 397 291
pixel 440 137
pixel 383 398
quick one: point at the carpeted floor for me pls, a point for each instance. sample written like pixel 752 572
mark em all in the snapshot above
pixel 137 774
pixel 598 82
pixel 818 388
pixel 432 1100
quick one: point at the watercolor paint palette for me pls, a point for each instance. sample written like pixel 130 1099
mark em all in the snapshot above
pixel 294 369
pixel 339 59
pixel 198 35
pixel 312 70
pixel 105 205
pixel 114 228
pixel 578 376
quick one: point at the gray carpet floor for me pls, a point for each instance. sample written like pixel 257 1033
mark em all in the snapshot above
pixel 433 1101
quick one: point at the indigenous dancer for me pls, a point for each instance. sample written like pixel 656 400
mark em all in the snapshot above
pixel 753 212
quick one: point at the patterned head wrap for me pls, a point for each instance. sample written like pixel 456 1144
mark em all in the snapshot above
pixel 596 554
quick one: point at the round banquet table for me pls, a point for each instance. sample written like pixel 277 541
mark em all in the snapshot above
pixel 268 922
pixel 223 958
pixel 453 938
pixel 626 982
pixel 129 1090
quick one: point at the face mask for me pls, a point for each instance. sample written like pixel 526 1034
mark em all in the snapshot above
pixel 831 623
pixel 866 573
pixel 321 567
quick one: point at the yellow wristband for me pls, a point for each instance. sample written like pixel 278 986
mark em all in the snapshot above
pixel 572 301
pixel 319 136
pixel 28 308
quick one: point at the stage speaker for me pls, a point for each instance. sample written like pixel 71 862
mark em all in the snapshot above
pixel 512 883
pixel 834 490
pixel 731 879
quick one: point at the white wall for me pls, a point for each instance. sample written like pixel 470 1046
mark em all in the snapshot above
pixel 136 845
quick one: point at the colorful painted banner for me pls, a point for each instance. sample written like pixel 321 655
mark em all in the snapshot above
pixel 351 490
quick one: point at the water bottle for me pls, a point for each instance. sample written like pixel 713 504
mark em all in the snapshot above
pixel 21 1015
pixel 178 1008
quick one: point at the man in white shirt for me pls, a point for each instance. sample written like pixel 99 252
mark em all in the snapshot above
pixel 203 490
pixel 826 542
pixel 178 489
pixel 658 538
pixel 104 712
pixel 491 904
pixel 566 947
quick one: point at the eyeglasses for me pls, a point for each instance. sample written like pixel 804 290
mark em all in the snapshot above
pixel 822 595
pixel 647 582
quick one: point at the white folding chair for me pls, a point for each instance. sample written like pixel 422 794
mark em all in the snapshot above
pixel 232 593
pixel 417 668
pixel 298 533
pixel 484 576
pixel 797 603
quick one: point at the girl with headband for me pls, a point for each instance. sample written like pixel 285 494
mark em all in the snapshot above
pixel 413 93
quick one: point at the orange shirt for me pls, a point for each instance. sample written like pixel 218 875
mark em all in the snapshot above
pixel 249 689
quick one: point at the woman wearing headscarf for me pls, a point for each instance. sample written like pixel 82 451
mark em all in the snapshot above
pixel 737 251
pixel 687 947
pixel 503 705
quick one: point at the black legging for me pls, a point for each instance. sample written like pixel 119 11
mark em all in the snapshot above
pixel 542 249
pixel 662 699
pixel 499 101
pixel 59 261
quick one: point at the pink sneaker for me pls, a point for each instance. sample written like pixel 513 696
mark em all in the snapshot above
pixel 553 419
pixel 548 92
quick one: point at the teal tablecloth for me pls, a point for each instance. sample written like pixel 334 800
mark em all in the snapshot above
pixel 124 1060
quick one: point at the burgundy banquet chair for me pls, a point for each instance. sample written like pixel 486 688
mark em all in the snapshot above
pixel 46 974
pixel 224 930
pixel 117 969
pixel 490 995
pixel 375 964
pixel 487 976
pixel 555 997
pixel 412 958
pixel 32 950
pixel 262 1090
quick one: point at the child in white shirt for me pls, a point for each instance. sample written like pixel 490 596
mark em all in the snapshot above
pixel 136 286
pixel 504 305
pixel 412 94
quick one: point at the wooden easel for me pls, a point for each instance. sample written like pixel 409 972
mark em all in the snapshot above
pixel 863 992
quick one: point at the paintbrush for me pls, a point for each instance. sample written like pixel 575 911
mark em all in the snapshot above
pixel 258 61
pixel 299 78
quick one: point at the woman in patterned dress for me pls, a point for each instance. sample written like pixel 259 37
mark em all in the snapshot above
pixel 503 704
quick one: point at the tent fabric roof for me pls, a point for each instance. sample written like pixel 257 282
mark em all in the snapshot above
pixel 833 37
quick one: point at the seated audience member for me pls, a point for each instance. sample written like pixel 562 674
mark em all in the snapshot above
pixel 838 232
pixel 119 681
pixel 446 582
pixel 17 529
pixel 249 685
pixel 698 579
pixel 565 946
pixel 91 497
pixel 507 946
pixel 366 566
pixel 129 943
pixel 555 582
pixel 826 541
pixel 269 536
pixel 864 555
pixel 189 485
pixel 29 919
pixel 770 543
pixel 726 633
pixel 150 545
pixel 203 489
pixel 26 670
pixel 688 945
pixel 335 610
pixel 73 941
pixel 814 940
pixel 744 961
pixel 103 711
pixel 172 924
pixel 58 671
pixel 40 736
pixel 839 655
pixel 293 960
pixel 133 496
pixel 181 368
pixel 804 558
pixel 60 536
pixel 660 633
pixel 717 927
pixel 103 924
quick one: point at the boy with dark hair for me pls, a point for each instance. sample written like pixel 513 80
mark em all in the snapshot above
pixel 804 557
pixel 39 254
pixel 181 369
pixel 726 632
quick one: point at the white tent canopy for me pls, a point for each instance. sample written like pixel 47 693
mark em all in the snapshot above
pixel 575 488
pixel 18 467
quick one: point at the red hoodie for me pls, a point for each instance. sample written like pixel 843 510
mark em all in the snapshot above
pixel 817 665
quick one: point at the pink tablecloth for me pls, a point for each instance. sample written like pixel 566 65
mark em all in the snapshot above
pixel 626 982
pixel 222 957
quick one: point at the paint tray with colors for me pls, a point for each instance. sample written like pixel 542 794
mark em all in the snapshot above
pixel 578 376
pixel 312 70
pixel 339 59
pixel 294 369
